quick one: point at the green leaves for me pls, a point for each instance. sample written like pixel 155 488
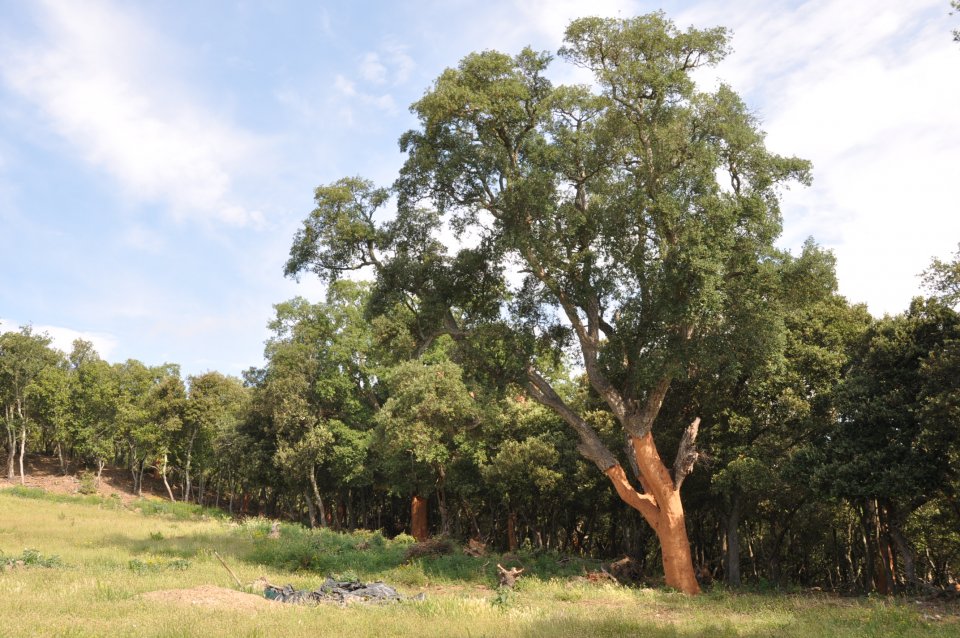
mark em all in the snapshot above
pixel 340 234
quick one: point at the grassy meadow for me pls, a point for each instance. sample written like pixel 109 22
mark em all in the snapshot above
pixel 84 566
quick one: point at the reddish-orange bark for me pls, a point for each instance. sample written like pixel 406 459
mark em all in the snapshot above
pixel 419 527
pixel 512 531
pixel 662 509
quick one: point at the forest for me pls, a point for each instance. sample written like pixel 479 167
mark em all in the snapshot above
pixel 567 307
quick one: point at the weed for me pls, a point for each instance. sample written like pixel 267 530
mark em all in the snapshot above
pixel 154 565
pixel 31 558
pixel 504 598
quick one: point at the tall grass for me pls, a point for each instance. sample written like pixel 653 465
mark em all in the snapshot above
pixel 108 555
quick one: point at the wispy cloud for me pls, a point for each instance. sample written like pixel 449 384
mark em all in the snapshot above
pixel 98 75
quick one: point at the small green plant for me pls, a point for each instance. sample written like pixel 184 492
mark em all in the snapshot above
pixel 30 558
pixel 153 565
pixel 348 575
pixel 404 539
pixel 156 536
pixel 88 483
pixel 504 598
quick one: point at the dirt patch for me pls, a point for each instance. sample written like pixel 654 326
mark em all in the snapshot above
pixel 211 596
pixel 44 472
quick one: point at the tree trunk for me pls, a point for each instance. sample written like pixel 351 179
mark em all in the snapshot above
pixel 100 464
pixel 23 449
pixel 731 569
pixel 871 580
pixel 63 466
pixel 143 467
pixel 660 505
pixel 886 551
pixel 419 526
pixel 909 561
pixel 311 509
pixel 166 484
pixel 512 531
pixel 317 498
pixel 11 450
pixel 186 479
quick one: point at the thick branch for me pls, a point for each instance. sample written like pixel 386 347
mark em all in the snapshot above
pixel 643 503
pixel 641 425
pixel 588 336
pixel 686 454
pixel 591 447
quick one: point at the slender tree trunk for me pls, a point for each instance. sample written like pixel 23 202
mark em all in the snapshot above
pixel 63 466
pixel 186 468
pixel 512 531
pixel 11 449
pixel 166 484
pixel 886 550
pixel 868 516
pixel 143 467
pixel 23 449
pixel 419 526
pixel 100 464
pixel 442 506
pixel 732 566
pixel 316 495
pixel 311 508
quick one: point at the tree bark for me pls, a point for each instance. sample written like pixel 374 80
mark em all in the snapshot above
pixel 311 509
pixel 909 560
pixel 186 470
pixel 11 441
pixel 166 484
pixel 23 449
pixel 886 551
pixel 419 526
pixel 317 498
pixel 662 508
pixel 660 502
pixel 512 531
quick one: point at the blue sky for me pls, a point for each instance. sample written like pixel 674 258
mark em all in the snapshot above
pixel 156 157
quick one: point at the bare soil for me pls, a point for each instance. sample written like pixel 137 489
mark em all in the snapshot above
pixel 212 596
pixel 44 472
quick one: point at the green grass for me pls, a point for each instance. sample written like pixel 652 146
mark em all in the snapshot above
pixel 90 559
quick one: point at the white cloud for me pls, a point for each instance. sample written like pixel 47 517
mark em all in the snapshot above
pixel 98 78
pixel 105 344
pixel 372 70
pixel 867 91
pixel 398 63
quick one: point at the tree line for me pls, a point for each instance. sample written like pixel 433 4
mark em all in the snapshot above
pixel 576 281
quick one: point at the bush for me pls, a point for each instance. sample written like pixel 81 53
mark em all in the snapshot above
pixel 88 483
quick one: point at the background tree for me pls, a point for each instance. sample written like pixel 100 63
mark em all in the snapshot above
pixel 23 356
pixel 215 404
pixel 420 433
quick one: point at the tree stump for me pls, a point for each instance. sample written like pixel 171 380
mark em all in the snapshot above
pixel 508 577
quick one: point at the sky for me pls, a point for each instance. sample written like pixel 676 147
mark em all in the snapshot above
pixel 157 157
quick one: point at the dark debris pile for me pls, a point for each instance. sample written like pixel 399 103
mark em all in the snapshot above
pixel 341 592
